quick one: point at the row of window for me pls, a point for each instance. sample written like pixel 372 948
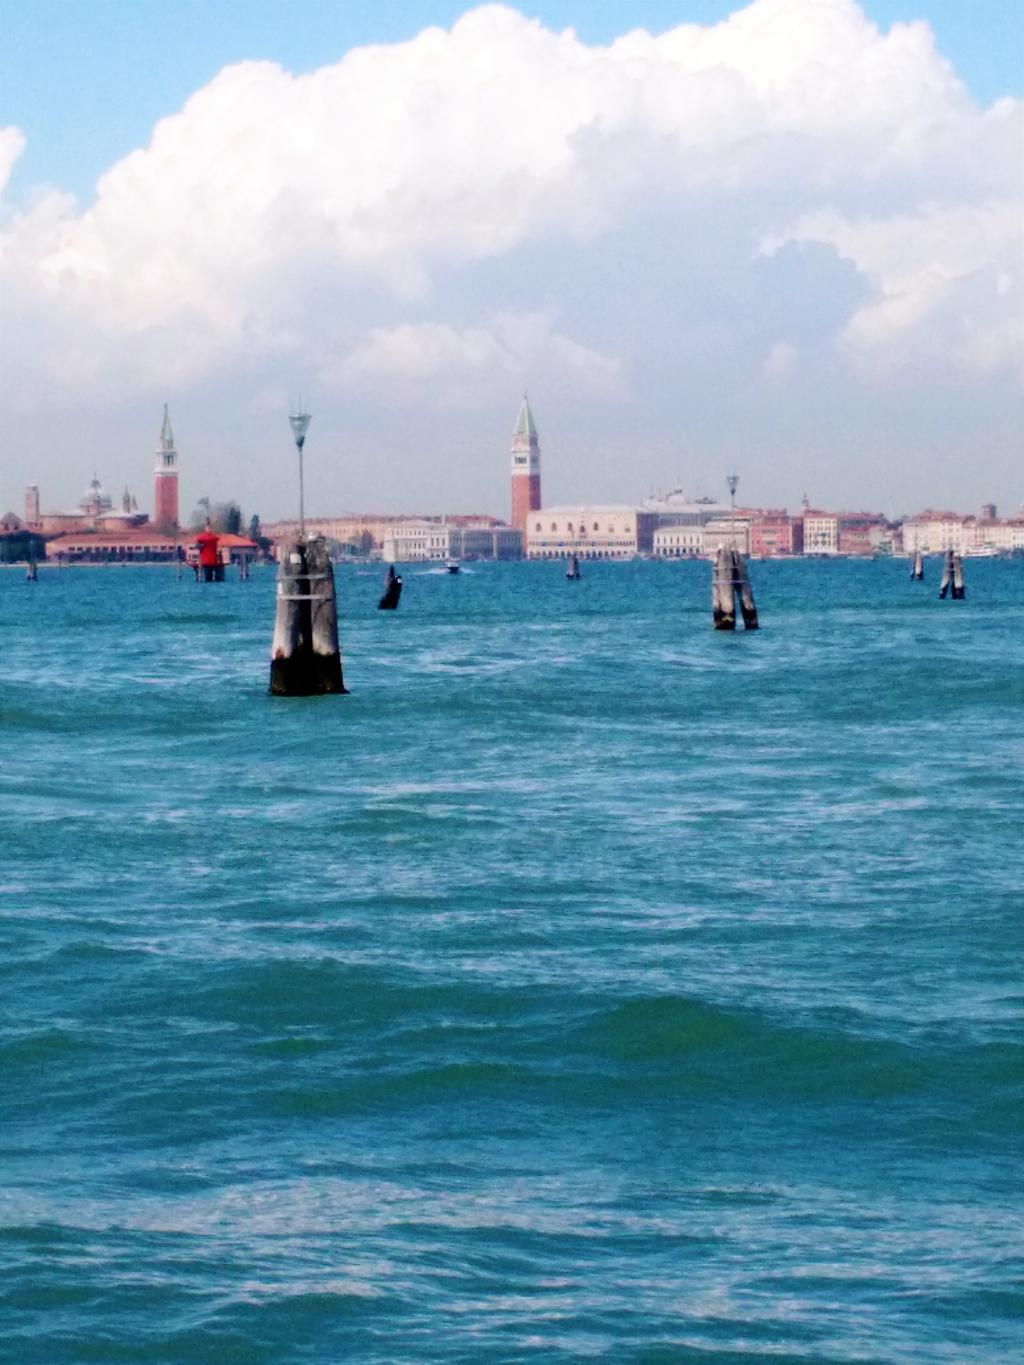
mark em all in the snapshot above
pixel 570 530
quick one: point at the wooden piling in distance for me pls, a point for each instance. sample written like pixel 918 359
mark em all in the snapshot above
pixel 32 572
pixel 947 575
pixel 572 571
pixel 746 593
pixel 305 655
pixel 958 578
pixel 392 590
pixel 723 601
pixel 730 584
pixel 917 568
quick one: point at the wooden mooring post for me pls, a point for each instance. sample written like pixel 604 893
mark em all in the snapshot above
pixel 305 659
pixel 917 568
pixel 392 590
pixel 952 577
pixel 32 572
pixel 730 582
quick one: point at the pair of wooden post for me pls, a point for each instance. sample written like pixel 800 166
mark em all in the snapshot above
pixel 952 576
pixel 729 583
pixel 305 656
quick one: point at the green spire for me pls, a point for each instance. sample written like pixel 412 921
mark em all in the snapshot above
pixel 525 425
pixel 166 434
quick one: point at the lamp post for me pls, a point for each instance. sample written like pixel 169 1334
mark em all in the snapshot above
pixel 732 481
pixel 299 422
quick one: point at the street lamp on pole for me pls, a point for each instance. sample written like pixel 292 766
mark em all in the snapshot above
pixel 299 422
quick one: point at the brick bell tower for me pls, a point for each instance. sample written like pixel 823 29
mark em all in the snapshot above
pixel 165 499
pixel 525 467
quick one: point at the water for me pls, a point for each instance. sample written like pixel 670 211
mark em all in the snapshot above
pixel 586 984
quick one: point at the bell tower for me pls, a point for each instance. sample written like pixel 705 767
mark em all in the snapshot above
pixel 525 467
pixel 165 500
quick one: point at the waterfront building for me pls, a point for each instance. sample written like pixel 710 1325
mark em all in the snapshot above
pixel 590 531
pixel 684 541
pixel 678 509
pixel 774 532
pixel 409 542
pixel 732 531
pixel 821 532
pixel 525 467
pixel 862 533
pixel 365 533
pixel 165 493
pixel 130 543
pixel 32 505
pixel 95 512
pixel 934 532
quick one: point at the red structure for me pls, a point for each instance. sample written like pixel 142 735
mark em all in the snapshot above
pixel 525 468
pixel 210 568
pixel 771 534
pixel 165 495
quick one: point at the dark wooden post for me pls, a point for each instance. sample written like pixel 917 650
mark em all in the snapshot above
pixel 730 582
pixel 947 575
pixel 958 578
pixel 723 604
pixel 305 656
pixel 32 573
pixel 917 568
pixel 573 570
pixel 740 578
pixel 392 591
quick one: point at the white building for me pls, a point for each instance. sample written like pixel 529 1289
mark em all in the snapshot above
pixel 590 531
pixel 678 542
pixel 821 533
pixel 934 532
pixel 411 542
pixel 731 531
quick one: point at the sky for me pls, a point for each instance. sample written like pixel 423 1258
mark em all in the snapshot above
pixel 783 238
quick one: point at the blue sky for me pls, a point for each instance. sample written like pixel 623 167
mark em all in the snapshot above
pixel 85 80
pixel 789 245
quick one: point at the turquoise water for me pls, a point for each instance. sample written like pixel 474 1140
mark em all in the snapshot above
pixel 587 984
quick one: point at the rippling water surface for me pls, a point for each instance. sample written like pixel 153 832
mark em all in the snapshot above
pixel 586 984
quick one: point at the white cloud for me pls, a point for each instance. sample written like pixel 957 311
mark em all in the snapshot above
pixel 946 285
pixel 411 220
pixel 460 367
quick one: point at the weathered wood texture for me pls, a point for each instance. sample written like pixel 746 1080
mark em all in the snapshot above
pixel 729 584
pixel 305 656
pixel 746 593
pixel 958 578
pixel 723 601
pixel 952 576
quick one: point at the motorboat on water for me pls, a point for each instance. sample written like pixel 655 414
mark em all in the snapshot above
pixel 453 566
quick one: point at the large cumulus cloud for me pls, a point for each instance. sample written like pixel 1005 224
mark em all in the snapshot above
pixel 417 219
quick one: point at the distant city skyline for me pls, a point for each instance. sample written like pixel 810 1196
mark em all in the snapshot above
pixel 781 238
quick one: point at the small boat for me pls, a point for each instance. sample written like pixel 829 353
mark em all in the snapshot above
pixel 453 566
pixel 573 571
